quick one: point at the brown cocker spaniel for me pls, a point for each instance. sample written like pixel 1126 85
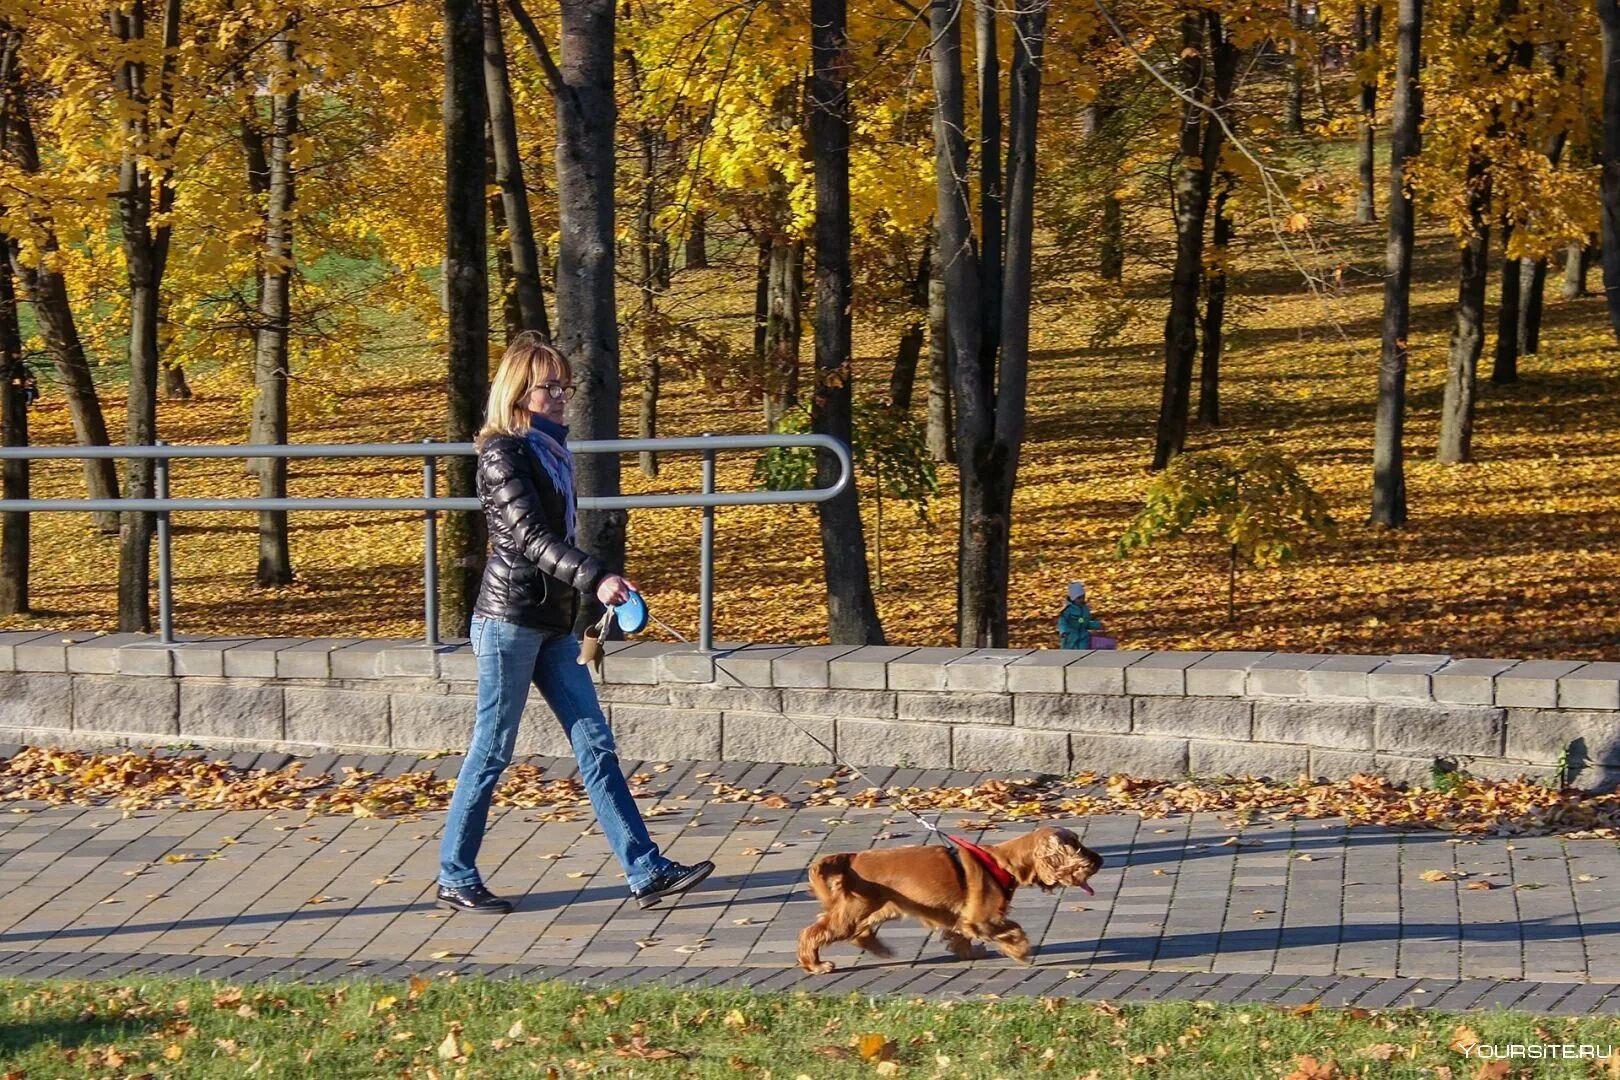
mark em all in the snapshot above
pixel 948 889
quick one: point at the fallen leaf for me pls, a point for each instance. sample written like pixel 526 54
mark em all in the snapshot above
pixel 450 1048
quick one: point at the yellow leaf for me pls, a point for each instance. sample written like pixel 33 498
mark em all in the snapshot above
pixel 450 1048
pixel 174 1052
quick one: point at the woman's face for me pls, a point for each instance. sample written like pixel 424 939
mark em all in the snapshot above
pixel 541 399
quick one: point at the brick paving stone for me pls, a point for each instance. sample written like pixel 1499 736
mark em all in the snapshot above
pixel 1233 988
pixel 1463 995
pixel 1584 999
pixel 1545 996
pixel 1386 993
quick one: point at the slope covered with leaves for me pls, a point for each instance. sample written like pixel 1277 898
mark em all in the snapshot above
pixel 1513 556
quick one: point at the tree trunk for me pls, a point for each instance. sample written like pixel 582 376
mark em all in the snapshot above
pixel 991 209
pixel 1576 261
pixel 941 445
pixel 1013 377
pixel 762 303
pixel 275 312
pixel 1111 255
pixel 511 314
pixel 1389 466
pixel 1609 15
pixel 1368 30
pixel 1468 332
pixel 646 253
pixel 13 432
pixel 521 250
pixel 852 617
pixel 142 195
pixel 696 249
pixel 463 533
pixel 1294 106
pixel 1209 374
pixel 1533 272
pixel 46 290
pixel 784 328
pixel 587 316
pixel 1200 152
pixel 974 605
pixel 1505 368
pixel 903 379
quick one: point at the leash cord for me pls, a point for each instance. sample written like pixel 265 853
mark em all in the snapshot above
pixel 931 827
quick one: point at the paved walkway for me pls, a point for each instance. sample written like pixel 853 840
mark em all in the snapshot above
pixel 1287 913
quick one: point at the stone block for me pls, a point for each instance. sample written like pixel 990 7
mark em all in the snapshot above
pixel 1281 674
pixel 146 658
pixel 1208 757
pixel 1469 682
pixel 431 722
pixel 99 655
pixel 856 704
pixel 205 657
pixel 539 731
pixel 1101 671
pixel 1343 676
pixel 256 658
pixel 1440 730
pixel 982 670
pixel 136 706
pixel 230 710
pixel 637 664
pixel 758 736
pixel 1135 755
pixel 687 663
pixel 1404 769
pixel 310 659
pixel 922 669
pixel 1543 735
pixel 1210 718
pixel 458 663
pixel 10 639
pixel 47 652
pixel 954 708
pixel 890 742
pixel 1040 671
pixel 325 716
pixel 1072 712
pixel 1595 686
pixel 412 659
pixel 36 700
pixel 1222 674
pixel 1510 770
pixel 633 694
pixel 1534 683
pixel 1341 764
pixel 722 698
pixel 1336 726
pixel 750 665
pixel 651 733
pixel 1405 678
pixel 1005 750
pixel 363 659
pixel 608 649
pixel 809 666
pixel 1161 673
pixel 866 668
pixel 1596 779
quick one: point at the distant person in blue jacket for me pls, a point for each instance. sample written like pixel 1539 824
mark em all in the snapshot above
pixel 1076 622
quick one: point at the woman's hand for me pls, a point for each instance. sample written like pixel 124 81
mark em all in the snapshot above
pixel 614 589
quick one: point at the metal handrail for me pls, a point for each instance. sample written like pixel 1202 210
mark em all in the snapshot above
pixel 430 503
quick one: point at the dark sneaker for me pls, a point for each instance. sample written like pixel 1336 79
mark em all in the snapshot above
pixel 473 898
pixel 673 880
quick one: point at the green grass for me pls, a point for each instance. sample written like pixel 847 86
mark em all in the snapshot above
pixel 476 1028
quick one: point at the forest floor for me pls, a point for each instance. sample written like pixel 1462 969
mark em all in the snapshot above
pixel 1512 556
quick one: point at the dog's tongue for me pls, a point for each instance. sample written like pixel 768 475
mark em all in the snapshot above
pixel 1088 889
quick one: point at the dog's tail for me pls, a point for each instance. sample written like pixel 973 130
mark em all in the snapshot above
pixel 827 876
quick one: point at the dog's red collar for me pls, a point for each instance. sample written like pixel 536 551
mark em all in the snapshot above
pixel 985 859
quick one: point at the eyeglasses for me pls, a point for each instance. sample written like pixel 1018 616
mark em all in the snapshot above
pixel 557 391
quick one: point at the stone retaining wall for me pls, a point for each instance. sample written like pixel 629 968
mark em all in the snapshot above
pixel 1150 714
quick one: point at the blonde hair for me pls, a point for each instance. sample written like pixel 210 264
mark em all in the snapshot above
pixel 528 362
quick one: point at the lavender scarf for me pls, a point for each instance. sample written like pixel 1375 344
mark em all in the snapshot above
pixel 549 441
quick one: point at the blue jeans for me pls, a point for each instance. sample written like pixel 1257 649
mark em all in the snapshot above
pixel 510 657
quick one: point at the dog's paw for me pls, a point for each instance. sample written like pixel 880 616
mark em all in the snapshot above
pixel 826 967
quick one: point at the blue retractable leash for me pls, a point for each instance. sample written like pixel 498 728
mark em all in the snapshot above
pixel 633 616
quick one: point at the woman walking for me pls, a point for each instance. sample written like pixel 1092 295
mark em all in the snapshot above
pixel 522 633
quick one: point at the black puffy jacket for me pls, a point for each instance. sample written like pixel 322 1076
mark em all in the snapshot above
pixel 533 576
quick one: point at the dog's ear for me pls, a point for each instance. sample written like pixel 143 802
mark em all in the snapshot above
pixel 1060 858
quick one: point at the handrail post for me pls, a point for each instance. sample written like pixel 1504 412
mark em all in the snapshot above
pixel 706 560
pixel 160 477
pixel 430 552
